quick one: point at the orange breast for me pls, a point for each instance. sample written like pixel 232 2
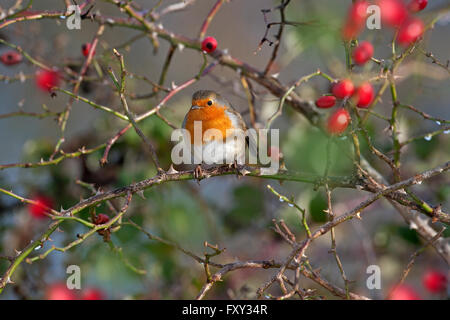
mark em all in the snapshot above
pixel 211 117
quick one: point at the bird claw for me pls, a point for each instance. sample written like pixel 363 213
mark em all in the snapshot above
pixel 239 169
pixel 198 172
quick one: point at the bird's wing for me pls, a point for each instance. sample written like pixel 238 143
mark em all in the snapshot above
pixel 236 118
pixel 183 125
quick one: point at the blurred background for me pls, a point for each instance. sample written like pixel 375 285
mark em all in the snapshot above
pixel 234 213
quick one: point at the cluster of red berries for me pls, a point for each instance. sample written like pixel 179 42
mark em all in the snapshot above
pixel 344 89
pixel 394 13
pixel 42 204
pixel 59 291
pixel 45 79
pixel 434 281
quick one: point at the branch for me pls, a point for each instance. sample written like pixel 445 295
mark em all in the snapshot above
pixel 209 18
pixel 121 88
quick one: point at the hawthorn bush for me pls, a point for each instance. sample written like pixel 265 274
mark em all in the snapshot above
pixel 358 209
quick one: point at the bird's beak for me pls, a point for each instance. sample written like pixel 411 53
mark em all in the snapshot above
pixel 194 107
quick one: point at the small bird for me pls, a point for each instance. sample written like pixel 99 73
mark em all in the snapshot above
pixel 214 112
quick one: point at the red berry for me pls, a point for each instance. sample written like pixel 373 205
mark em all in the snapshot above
pixel 86 48
pixel 92 294
pixel 364 95
pixel 343 89
pixel 435 281
pixel 209 44
pixel 358 11
pixel 59 291
pixel 404 292
pixel 363 52
pixel 338 121
pixel 41 205
pixel 350 31
pixel 410 31
pixel 393 12
pixel 326 102
pixel 355 19
pixel 10 58
pixel 417 5
pixel 47 79
pixel 101 219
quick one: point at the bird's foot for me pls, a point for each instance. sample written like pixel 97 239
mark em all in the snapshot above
pixel 239 169
pixel 198 172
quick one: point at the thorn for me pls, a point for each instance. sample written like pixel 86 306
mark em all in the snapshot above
pixel 436 211
pixel 358 215
pixel 206 175
pixel 22 77
pixel 140 193
pixel 172 170
pixel 180 47
pixel 17 252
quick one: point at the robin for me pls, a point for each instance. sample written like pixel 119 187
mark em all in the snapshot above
pixel 213 111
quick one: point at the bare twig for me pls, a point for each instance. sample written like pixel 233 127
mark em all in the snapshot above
pixel 209 18
pixel 131 118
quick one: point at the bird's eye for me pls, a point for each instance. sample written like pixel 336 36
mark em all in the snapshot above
pixel 209 102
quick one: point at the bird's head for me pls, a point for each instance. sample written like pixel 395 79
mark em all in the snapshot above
pixel 208 98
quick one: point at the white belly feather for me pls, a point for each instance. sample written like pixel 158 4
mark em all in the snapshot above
pixel 219 152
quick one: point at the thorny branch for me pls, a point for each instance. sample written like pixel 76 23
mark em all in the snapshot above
pixel 299 247
pixel 367 178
